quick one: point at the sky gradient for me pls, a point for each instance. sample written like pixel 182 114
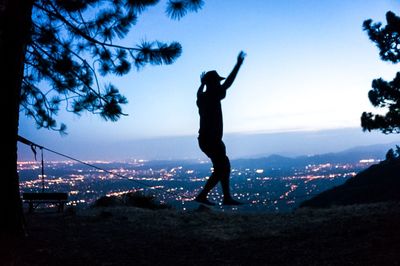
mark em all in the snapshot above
pixel 309 67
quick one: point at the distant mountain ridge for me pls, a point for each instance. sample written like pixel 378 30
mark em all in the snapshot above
pixel 239 145
pixel 353 155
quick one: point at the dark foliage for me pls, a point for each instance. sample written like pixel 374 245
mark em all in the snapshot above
pixel 133 199
pixel 141 200
pixel 385 94
pixel 72 41
pixel 393 155
pixel 177 9
pixel 105 201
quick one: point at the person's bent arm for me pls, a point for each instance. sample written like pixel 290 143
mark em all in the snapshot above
pixel 201 88
pixel 229 80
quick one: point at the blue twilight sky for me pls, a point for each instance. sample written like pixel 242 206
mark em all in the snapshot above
pixel 309 68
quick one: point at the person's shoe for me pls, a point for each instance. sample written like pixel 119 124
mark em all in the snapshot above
pixel 231 201
pixel 204 201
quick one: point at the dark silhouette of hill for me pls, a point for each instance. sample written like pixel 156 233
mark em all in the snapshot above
pixel 380 182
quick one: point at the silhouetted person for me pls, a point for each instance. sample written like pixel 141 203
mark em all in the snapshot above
pixel 211 130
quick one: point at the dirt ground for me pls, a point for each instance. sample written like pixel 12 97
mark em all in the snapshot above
pixel 354 235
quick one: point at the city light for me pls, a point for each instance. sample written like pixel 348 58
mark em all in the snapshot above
pixel 271 189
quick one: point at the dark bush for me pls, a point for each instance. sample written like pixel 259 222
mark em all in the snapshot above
pixel 140 200
pixel 131 199
pixel 106 201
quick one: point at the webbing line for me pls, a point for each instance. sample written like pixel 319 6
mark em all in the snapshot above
pixel 30 143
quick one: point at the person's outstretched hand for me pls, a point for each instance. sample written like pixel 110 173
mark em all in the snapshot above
pixel 241 57
pixel 202 77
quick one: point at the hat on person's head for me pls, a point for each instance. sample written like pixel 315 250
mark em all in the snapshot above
pixel 212 75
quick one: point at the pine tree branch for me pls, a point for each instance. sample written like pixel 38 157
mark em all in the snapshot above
pixel 38 91
pixel 72 72
pixel 78 31
pixel 86 64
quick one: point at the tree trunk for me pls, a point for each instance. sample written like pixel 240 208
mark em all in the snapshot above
pixel 14 35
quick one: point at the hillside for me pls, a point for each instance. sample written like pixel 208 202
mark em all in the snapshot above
pixel 353 235
pixel 380 182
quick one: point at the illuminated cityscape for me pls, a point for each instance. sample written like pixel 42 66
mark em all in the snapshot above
pixel 277 186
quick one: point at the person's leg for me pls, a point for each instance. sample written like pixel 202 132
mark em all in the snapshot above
pixel 210 184
pixel 225 167
pixel 225 172
pixel 209 149
pixel 216 151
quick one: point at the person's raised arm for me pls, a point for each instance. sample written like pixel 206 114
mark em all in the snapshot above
pixel 201 88
pixel 229 80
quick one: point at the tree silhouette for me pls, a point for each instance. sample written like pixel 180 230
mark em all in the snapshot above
pixel 54 53
pixel 393 155
pixel 73 40
pixel 385 94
